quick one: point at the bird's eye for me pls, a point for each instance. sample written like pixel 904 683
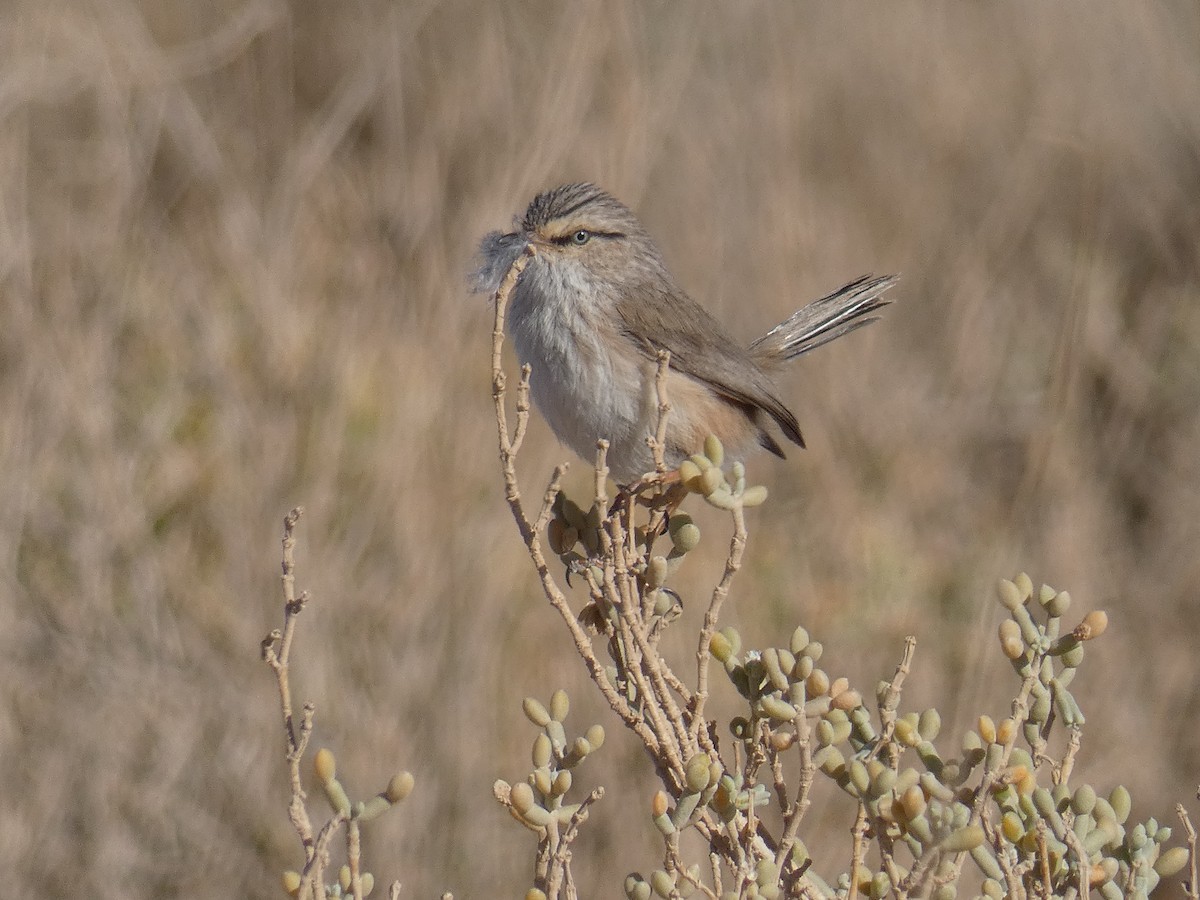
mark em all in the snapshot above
pixel 581 237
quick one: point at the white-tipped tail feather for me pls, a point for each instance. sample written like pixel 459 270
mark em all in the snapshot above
pixel 826 319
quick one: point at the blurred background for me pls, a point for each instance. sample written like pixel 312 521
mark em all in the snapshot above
pixel 234 240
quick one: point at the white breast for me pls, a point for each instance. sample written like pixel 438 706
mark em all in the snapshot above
pixel 575 375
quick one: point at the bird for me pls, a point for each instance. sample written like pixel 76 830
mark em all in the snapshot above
pixel 596 303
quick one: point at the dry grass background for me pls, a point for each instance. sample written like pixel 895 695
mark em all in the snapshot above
pixel 233 239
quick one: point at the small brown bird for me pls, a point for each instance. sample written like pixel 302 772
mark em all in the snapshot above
pixel 596 303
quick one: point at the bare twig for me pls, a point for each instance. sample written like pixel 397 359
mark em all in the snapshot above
pixel 733 563
pixel 658 442
pixel 1193 885
pixel 1020 710
pixel 1081 855
pixel 277 651
pixel 684 875
pixel 510 444
pixel 560 859
pixel 600 486
pixel 859 852
pixel 799 806
pixel 1043 856
pixel 313 872
pixel 1012 880
pixel 581 814
pixel 353 858
pixel 1062 774
pixel 890 702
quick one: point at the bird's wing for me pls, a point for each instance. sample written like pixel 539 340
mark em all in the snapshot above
pixel 654 319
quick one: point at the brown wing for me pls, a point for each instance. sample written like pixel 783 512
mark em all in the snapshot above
pixel 655 318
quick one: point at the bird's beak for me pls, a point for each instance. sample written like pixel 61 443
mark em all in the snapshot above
pixel 511 243
pixel 497 253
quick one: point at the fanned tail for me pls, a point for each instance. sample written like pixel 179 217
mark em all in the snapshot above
pixel 826 319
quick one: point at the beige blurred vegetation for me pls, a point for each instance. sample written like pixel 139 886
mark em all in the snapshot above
pixel 233 240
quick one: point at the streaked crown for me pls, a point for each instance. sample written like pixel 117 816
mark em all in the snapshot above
pixel 564 210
